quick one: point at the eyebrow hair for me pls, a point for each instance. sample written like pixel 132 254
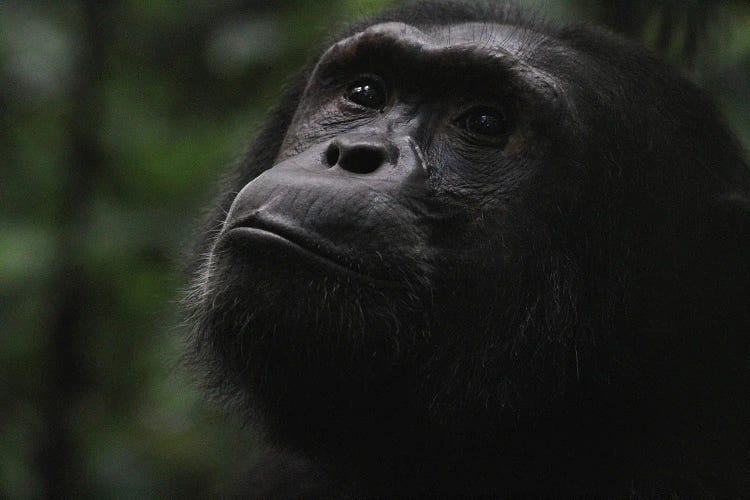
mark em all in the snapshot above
pixel 410 46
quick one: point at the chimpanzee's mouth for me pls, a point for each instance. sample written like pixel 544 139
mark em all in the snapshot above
pixel 310 246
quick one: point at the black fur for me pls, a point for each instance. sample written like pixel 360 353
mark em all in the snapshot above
pixel 586 333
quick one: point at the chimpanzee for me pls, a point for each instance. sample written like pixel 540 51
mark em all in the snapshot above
pixel 474 253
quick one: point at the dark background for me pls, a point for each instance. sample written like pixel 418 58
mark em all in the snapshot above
pixel 117 119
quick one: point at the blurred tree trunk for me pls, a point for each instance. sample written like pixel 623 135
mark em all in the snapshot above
pixel 69 314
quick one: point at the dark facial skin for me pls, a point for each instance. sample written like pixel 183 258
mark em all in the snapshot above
pixel 476 261
pixel 360 163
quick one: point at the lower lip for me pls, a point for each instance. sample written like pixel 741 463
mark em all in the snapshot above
pixel 269 236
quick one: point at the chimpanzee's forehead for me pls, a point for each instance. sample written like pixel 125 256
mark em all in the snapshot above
pixel 498 49
pixel 502 38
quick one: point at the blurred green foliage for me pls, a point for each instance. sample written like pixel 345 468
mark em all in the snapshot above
pixel 117 119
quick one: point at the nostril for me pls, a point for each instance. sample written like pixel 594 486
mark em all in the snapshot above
pixel 331 155
pixel 363 159
pixel 357 154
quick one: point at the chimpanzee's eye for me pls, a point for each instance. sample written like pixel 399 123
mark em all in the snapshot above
pixel 485 122
pixel 368 91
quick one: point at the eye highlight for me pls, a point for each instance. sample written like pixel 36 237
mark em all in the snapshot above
pixel 368 91
pixel 484 121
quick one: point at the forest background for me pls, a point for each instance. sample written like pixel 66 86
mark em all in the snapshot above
pixel 116 120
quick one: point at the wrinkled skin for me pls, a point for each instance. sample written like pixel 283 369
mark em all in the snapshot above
pixel 470 253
